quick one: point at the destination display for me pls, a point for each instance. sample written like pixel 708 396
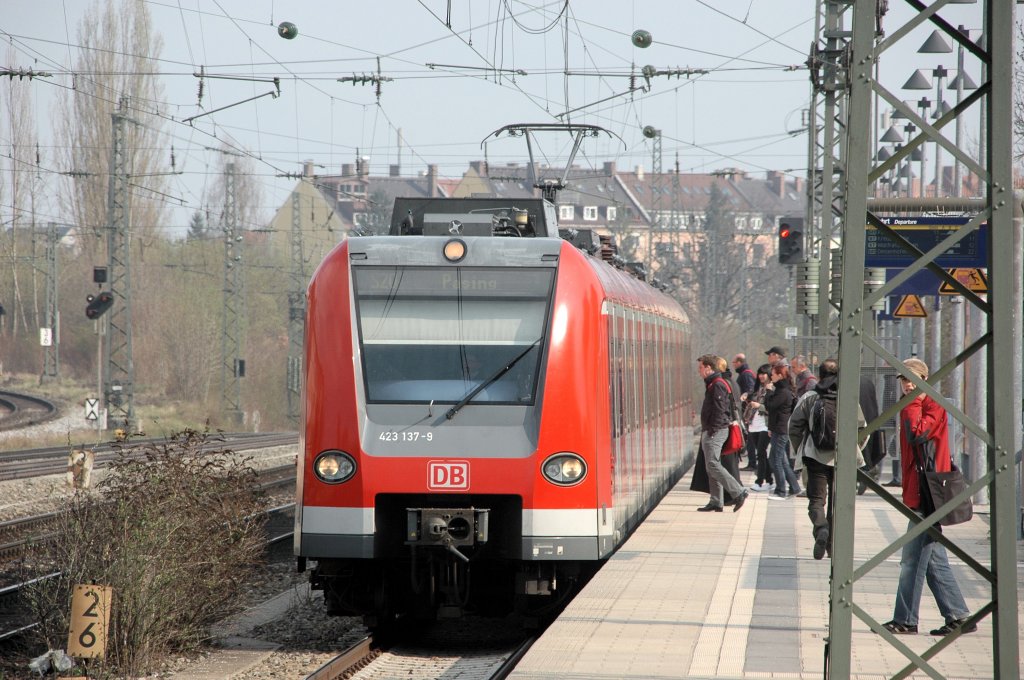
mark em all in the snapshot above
pixel 924 233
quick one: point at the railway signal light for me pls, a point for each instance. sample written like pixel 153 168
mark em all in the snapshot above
pixel 791 240
pixel 98 304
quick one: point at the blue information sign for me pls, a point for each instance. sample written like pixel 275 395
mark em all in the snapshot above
pixel 924 233
pixel 923 282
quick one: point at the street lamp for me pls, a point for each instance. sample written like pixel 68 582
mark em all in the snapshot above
pixel 937 43
pixel 961 82
pixel 917 154
pixel 892 135
pixel 919 81
pixel 939 72
pixel 881 156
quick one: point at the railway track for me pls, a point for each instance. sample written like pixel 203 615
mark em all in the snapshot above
pixel 53 460
pixel 15 620
pixel 21 410
pixel 463 655
pixel 17 535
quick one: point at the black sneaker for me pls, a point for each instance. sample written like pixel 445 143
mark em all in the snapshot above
pixel 710 507
pixel 897 628
pixel 955 625
pixel 821 544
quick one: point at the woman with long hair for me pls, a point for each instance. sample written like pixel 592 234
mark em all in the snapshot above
pixel 758 437
pixel 780 401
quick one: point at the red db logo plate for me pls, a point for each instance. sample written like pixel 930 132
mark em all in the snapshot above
pixel 449 475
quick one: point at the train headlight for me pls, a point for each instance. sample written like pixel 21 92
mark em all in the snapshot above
pixel 455 250
pixel 564 469
pixel 334 467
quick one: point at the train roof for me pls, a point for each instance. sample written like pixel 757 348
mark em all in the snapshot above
pixel 625 288
pixel 514 217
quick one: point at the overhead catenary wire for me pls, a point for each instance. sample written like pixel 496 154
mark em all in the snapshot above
pixel 620 114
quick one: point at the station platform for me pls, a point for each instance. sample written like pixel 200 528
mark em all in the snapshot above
pixel 739 595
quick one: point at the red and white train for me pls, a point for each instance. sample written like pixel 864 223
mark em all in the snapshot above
pixel 489 410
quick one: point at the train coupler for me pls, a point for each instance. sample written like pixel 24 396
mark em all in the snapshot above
pixel 446 528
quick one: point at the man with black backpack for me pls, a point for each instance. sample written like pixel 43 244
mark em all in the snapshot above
pixel 812 431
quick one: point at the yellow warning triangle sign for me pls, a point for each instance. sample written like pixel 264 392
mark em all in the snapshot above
pixel 910 307
pixel 972 278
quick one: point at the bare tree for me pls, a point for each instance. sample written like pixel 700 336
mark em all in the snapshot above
pixel 117 58
pixel 722 277
pixel 625 235
pixel 378 213
pixel 20 188
pixel 248 193
pixel 1018 94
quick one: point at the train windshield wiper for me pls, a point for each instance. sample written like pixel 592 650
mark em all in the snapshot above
pixel 476 390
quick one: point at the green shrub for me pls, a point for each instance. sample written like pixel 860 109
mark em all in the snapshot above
pixel 174 532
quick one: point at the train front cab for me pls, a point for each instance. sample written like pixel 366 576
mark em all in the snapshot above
pixel 430 495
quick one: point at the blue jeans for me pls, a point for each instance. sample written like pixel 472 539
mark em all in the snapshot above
pixel 781 469
pixel 718 477
pixel 924 558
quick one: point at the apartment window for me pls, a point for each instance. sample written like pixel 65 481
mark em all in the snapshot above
pixel 566 212
pixel 590 212
pixel 756 223
pixel 611 212
pixel 741 222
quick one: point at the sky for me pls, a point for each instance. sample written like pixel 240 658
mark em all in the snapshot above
pixel 460 70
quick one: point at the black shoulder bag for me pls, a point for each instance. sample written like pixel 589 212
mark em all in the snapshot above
pixel 938 488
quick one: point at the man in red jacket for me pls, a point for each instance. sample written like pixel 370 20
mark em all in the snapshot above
pixel 924 420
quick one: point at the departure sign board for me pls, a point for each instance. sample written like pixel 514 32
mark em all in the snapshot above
pixel 925 233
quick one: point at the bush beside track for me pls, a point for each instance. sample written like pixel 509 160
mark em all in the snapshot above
pixel 176 533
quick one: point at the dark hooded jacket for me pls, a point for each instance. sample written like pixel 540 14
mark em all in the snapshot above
pixel 800 423
pixel 716 411
pixel 747 379
pixel 780 403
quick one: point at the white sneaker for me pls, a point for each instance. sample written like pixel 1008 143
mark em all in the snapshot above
pixel 759 487
pixel 776 497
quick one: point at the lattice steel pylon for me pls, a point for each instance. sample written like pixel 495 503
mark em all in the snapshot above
pixel 51 318
pixel 826 149
pixel 657 187
pixel 296 314
pixel 999 433
pixel 232 364
pixel 118 365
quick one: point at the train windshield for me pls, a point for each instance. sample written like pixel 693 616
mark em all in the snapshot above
pixel 431 334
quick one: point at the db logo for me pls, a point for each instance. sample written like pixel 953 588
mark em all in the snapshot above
pixel 448 475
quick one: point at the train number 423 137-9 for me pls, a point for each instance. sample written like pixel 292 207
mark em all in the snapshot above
pixel 413 436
